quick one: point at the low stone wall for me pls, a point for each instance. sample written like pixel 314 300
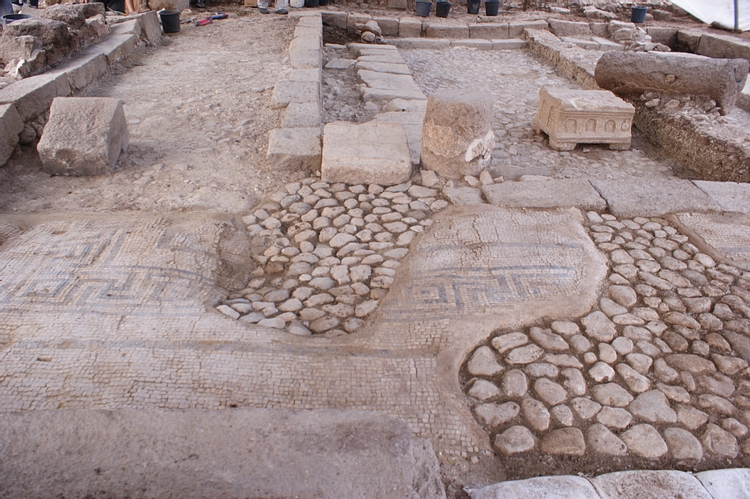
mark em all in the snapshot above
pixel 32 97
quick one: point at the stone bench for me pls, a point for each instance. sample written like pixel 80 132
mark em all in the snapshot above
pixel 571 117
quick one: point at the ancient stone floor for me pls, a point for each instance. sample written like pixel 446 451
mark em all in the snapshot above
pixel 562 338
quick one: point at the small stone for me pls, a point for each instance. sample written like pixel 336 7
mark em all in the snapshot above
pixel 580 343
pixel 494 415
pixel 291 305
pixel 614 417
pixel 607 353
pixel 734 427
pixel 323 324
pixel 602 372
pixel 729 365
pixel 623 295
pixel 548 340
pixel 612 394
pixel 275 322
pixel 574 381
pixel 366 308
pixel 690 417
pixel 565 328
pixel 586 408
pixel 549 391
pixel 515 384
pixel 599 327
pixel 536 414
pixel 691 363
pixel 720 442
pixel 298 329
pixel 643 440
pixel 509 341
pixel 538 369
pixel 563 415
pixel 524 355
pixel 623 346
pixel 515 440
pixel 565 441
pixel 641 363
pixel 676 393
pixel 603 441
pixel 483 390
pixel 683 445
pixel 352 324
pixel 484 363
pixel 653 407
pixel 636 382
pixel 716 383
pixel 611 308
pixel 664 372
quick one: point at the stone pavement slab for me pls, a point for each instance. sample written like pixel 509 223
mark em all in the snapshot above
pixel 233 453
pixel 636 197
pixel 730 196
pixel 548 487
pixel 650 485
pixel 726 235
pixel 545 194
pixel 733 483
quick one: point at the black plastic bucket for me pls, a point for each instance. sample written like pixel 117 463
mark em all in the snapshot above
pixel 170 21
pixel 424 8
pixel 442 9
pixel 638 14
pixel 312 3
pixel 472 6
pixel 11 18
pixel 323 2
pixel 491 7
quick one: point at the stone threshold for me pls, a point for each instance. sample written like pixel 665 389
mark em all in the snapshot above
pixel 31 97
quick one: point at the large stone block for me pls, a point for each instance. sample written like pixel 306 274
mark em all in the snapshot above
pixel 84 136
pixel 637 72
pixel 83 69
pixel 116 48
pixel 569 28
pixel 51 33
pixel 301 115
pixel 18 47
pixel 374 152
pixel 337 19
pixel 286 92
pixel 409 28
pixel 10 126
pixel 548 487
pixel 545 194
pixel 446 31
pixel 33 96
pixel 294 148
pixel 150 28
pixel 723 46
pixel 67 14
pixel 488 31
pixel 388 25
pixel 571 117
pixel 457 136
pixel 516 30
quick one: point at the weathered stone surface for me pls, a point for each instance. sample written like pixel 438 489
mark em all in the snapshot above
pixel 481 389
pixel 720 442
pixel 515 440
pixel 524 355
pixel 586 408
pixel 536 414
pixel 650 485
pixel 548 487
pixel 549 391
pixel 691 363
pixel 552 194
pixel 515 384
pixel 484 363
pixel 603 441
pixel 370 153
pixel 612 394
pixel 302 115
pixel 569 28
pixel 69 15
pixel 690 74
pixel 571 117
pixel 34 95
pixel 643 440
pixel 654 407
pixel 506 342
pixel 10 126
pixel 494 415
pixel 84 136
pixel 599 327
pixel 457 136
pixel 614 417
pixel 683 445
pixel 294 148
pixel 386 460
pixel 729 483
pixel 564 441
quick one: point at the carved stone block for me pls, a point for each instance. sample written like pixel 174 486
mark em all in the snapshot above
pixel 571 117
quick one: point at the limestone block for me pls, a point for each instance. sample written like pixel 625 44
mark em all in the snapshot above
pixel 386 86
pixel 303 58
pixel 473 43
pixel 336 19
pixel 723 46
pixel 665 35
pixel 374 152
pixel 286 92
pixel 301 115
pixel 457 136
pixel 18 47
pixel 606 44
pixel 726 484
pixel 33 96
pixel 488 31
pixel 637 72
pixel 69 15
pixel 569 28
pixel 308 75
pixel 573 117
pixel 10 126
pixel 397 4
pixel 294 148
pixel 421 43
pixel 550 194
pixel 84 136
pixel 515 30
pixel 384 67
pixel 51 33
pixel 178 5
pixel 84 69
pixel 547 487
pixel 512 44
pixel 307 42
pixel 649 485
pixel 356 18
pixel 360 49
pixel 116 48
pixel 388 25
pixel 409 28
pixel 446 31
pixel 150 28
pixel 126 28
pixel 689 40
pixel 412 122
pixel 633 198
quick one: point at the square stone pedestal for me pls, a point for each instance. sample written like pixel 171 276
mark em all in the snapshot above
pixel 571 117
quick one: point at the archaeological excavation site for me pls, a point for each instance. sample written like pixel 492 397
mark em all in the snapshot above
pixel 418 249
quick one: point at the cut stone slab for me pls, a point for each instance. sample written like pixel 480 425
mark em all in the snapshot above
pixel 301 115
pixel 571 117
pixel 726 484
pixel 294 148
pixel 409 28
pixel 634 197
pixel 34 95
pixel 552 194
pixel 511 44
pixel 547 487
pixel 83 69
pixel 84 136
pixel 488 31
pixel 412 122
pixel 286 92
pixel 394 83
pixel 340 63
pixel 204 453
pixel 115 47
pixel 649 485
pixel 569 28
pixel 457 135
pixel 728 235
pixel 446 31
pixel 10 126
pixel 384 67
pixel 473 43
pixel 421 43
pixel 730 196
pixel 370 153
